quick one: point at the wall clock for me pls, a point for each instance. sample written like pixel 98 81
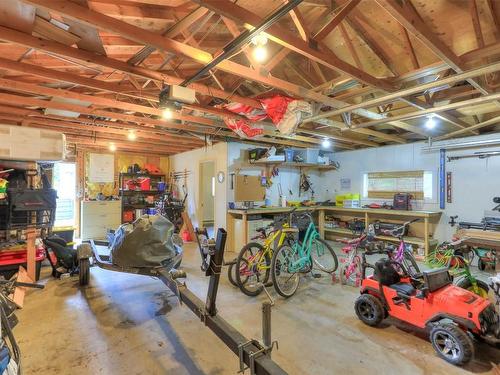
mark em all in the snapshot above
pixel 221 177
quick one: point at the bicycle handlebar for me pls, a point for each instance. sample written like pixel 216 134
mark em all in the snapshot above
pixel 458 241
pixel 394 232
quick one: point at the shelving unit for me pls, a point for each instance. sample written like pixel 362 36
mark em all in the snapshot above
pixel 423 229
pixel 283 164
pixel 135 199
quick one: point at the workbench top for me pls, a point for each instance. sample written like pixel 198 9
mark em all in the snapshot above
pixel 277 210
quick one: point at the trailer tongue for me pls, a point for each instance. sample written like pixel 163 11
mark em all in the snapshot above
pixel 252 354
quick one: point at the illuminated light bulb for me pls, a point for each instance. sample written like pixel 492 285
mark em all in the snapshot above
pixel 326 143
pixel 167 114
pixel 112 147
pixel 259 40
pixel 430 123
pixel 131 135
pixel 260 53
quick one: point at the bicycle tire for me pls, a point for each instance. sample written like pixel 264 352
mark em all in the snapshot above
pixel 326 252
pixel 231 274
pixel 344 280
pixel 277 274
pixel 410 263
pixel 251 289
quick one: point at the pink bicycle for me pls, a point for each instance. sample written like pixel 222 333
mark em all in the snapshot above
pixel 402 254
pixel 350 267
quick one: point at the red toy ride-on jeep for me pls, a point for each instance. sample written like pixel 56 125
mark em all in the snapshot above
pixel 429 301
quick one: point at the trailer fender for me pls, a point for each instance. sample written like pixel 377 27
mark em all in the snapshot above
pixel 84 251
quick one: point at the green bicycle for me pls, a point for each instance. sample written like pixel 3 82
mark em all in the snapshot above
pixel 289 261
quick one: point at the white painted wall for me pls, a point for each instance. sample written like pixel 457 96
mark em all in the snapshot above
pixel 475 181
pixel 289 178
pixel 190 161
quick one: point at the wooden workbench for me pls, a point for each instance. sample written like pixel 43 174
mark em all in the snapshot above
pixel 429 220
pixel 482 238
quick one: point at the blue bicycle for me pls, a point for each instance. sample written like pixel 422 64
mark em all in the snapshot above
pixel 289 261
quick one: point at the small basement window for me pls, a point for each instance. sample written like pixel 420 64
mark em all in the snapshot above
pixel 383 185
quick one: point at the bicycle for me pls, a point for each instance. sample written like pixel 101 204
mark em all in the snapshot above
pixel 451 256
pixel 402 255
pixel 300 257
pixel 350 267
pixel 253 263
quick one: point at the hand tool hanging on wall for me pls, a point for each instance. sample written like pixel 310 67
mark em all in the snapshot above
pixel 305 185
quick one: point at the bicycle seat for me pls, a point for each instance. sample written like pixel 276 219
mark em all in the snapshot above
pixel 261 230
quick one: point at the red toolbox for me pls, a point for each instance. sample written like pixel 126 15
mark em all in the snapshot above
pixel 10 260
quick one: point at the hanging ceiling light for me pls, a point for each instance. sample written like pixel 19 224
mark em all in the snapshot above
pixel 259 53
pixel 112 147
pixel 131 135
pixel 430 123
pixel 326 143
pixel 167 114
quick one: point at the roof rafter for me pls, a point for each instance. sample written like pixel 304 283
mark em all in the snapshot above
pixel 111 24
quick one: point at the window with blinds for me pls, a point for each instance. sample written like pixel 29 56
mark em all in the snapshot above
pixel 383 185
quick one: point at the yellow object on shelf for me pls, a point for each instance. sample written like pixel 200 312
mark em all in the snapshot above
pixel 293 203
pixel 339 199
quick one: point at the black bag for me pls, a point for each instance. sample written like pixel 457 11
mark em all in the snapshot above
pixel 66 256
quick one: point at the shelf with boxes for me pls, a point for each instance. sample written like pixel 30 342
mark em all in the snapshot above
pixel 293 158
pixel 138 192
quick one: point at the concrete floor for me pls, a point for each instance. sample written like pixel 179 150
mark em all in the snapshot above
pixel 126 324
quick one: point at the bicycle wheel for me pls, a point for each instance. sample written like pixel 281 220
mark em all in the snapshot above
pixel 285 281
pixel 231 274
pixel 350 274
pixel 323 255
pixel 253 268
pixel 410 264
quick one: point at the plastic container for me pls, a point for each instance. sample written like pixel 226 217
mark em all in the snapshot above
pixel 289 155
pixel 144 183
pixel 161 186
pixel 128 215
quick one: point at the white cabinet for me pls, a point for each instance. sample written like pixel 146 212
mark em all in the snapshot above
pixel 97 217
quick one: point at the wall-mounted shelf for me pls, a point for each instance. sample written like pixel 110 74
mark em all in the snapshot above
pixel 283 164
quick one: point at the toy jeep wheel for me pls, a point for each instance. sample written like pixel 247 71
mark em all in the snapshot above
pixel 369 310
pixel 452 344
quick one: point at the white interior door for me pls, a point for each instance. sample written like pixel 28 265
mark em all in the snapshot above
pixel 207 193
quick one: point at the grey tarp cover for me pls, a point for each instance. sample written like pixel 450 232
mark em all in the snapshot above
pixel 147 242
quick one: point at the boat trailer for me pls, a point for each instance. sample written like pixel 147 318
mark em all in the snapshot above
pixel 253 355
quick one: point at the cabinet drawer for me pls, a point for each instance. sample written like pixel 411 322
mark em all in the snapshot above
pixel 90 208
